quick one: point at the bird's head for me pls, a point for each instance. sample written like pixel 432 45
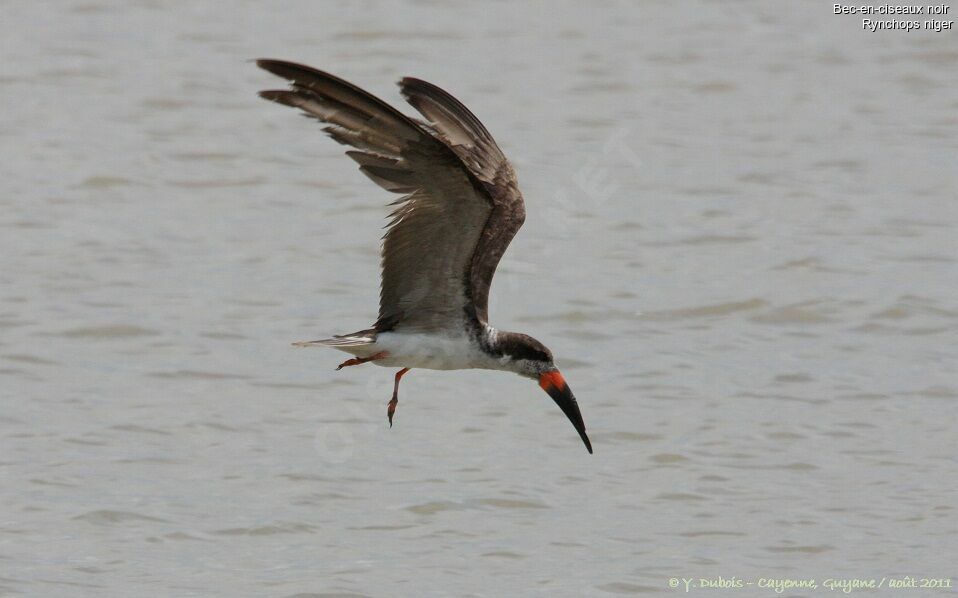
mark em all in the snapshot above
pixel 528 357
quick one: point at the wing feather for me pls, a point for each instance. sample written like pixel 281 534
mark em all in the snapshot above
pixel 459 128
pixel 432 237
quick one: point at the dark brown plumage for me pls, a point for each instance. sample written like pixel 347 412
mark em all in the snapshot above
pixel 451 156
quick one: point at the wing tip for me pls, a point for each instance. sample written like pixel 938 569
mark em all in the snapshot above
pixel 285 97
pixel 412 87
pixel 271 64
pixel 409 81
pixel 278 67
pixel 297 73
pixel 273 94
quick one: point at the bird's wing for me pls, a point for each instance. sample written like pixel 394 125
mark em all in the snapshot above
pixel 446 234
pixel 468 138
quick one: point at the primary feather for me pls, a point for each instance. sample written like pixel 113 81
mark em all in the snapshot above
pixel 460 206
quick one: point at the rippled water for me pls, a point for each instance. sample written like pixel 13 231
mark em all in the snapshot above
pixel 740 245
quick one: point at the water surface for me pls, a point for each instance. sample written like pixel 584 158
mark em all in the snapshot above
pixel 740 245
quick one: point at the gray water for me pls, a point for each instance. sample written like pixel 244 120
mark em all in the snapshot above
pixel 740 245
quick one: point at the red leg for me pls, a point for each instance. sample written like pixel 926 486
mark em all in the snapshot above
pixel 361 360
pixel 395 400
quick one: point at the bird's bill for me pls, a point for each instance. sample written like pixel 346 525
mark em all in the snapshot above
pixel 554 384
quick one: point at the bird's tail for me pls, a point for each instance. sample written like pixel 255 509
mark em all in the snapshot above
pixel 342 341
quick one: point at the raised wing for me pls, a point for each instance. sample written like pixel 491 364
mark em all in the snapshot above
pixel 446 234
pixel 468 138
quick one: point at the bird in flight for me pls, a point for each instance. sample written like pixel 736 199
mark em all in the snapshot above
pixel 458 210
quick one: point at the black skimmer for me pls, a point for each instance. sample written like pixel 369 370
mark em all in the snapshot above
pixel 459 208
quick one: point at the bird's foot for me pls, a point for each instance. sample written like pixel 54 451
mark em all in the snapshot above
pixel 391 409
pixel 362 360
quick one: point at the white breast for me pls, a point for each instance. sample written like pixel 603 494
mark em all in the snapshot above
pixel 432 352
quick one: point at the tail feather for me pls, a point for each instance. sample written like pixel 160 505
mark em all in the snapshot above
pixel 356 339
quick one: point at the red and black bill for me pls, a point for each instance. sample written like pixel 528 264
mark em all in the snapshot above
pixel 554 384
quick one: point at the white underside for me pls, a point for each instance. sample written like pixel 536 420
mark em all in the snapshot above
pixel 428 351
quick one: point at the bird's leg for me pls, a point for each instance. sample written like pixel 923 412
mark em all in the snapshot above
pixel 395 400
pixel 361 360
